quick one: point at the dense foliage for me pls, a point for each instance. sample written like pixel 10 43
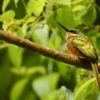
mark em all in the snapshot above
pixel 25 75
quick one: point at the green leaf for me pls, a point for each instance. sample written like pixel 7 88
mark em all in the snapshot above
pixel 87 91
pixel 51 20
pixel 5 4
pixel 5 81
pixel 98 98
pixel 55 40
pixel 62 69
pixel 23 71
pixel 89 17
pixel 35 7
pixel 4 45
pixel 64 94
pixel 76 1
pixel 61 94
pixel 79 8
pixel 46 84
pixel 98 41
pixel 36 69
pixel 63 2
pixel 16 1
pixel 41 35
pixel 15 55
pixel 18 88
pixel 62 15
pixel 30 19
pixel 58 42
pixel 7 16
pixel 22 91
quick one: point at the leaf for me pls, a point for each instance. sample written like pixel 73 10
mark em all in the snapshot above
pixel 51 20
pixel 5 80
pixel 62 69
pixel 7 16
pixel 76 2
pixel 79 8
pixel 61 94
pixel 35 7
pixel 62 15
pixel 98 98
pixel 22 91
pixel 98 42
pixel 86 91
pixel 18 88
pixel 30 19
pixel 55 40
pixel 89 17
pixel 15 55
pixel 5 4
pixel 36 69
pixel 41 35
pixel 65 16
pixel 4 45
pixel 64 94
pixel 58 42
pixel 16 1
pixel 63 2
pixel 46 84
pixel 23 71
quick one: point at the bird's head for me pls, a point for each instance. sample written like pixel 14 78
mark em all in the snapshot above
pixel 70 33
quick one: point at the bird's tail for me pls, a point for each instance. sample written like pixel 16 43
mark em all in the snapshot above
pixel 96 73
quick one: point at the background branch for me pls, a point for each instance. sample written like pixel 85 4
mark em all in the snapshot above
pixel 38 48
pixel 97 29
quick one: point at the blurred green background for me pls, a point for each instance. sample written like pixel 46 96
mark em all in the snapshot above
pixel 25 75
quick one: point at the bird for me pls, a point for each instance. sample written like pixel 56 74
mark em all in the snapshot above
pixel 81 45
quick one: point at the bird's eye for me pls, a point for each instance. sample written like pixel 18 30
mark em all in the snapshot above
pixel 73 31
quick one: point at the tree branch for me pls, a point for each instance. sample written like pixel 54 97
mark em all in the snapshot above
pixel 57 55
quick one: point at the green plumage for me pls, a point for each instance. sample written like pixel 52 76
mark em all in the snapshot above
pixel 83 44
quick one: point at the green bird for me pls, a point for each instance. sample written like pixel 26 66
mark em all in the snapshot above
pixel 80 45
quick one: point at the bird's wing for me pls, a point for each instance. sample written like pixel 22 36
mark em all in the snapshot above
pixel 85 46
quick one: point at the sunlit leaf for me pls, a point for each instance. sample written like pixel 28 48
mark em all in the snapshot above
pixel 63 2
pixel 79 8
pixel 36 69
pixel 87 91
pixel 4 45
pixel 7 16
pixel 35 7
pixel 5 4
pixel 16 1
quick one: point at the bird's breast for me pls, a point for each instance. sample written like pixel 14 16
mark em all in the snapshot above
pixel 73 50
